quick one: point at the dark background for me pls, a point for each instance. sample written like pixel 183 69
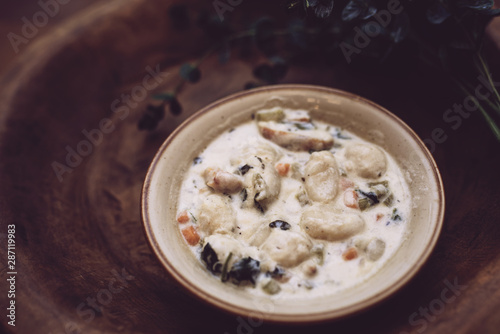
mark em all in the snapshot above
pixel 72 235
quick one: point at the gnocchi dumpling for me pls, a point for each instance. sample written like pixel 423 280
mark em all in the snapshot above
pixel 261 180
pixel 321 177
pixel 367 161
pixel 216 216
pixel 322 222
pixel 287 248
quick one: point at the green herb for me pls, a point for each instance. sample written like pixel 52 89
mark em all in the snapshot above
pixel 283 225
pixel 385 183
pixel 338 134
pixel 304 125
pixel 272 287
pixel 319 251
pixel 194 218
pixel 367 199
pixel 380 191
pixel 277 273
pixel 389 200
pixel 243 194
pixel 244 169
pixel 301 196
pixel 224 274
pixel 262 163
pixel 364 203
pixel 395 215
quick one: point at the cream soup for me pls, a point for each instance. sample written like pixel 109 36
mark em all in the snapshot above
pixel 286 206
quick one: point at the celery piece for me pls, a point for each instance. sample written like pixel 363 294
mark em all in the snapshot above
pixel 268 115
pixel 272 287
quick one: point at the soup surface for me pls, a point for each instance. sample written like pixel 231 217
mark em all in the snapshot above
pixel 286 205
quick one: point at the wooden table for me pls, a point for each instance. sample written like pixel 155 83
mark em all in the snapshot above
pixel 82 261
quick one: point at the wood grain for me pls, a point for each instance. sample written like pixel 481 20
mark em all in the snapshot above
pixel 72 237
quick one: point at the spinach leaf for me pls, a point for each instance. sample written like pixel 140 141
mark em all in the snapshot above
pixel 245 270
pixel 209 257
pixel 281 224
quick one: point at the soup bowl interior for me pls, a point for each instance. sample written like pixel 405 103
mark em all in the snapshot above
pixel 357 115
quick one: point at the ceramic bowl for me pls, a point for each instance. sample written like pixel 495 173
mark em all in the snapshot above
pixel 353 113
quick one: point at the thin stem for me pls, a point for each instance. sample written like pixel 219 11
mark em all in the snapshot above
pixel 493 126
pixel 469 86
pixel 490 79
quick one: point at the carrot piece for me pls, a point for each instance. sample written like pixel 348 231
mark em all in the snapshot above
pixel 345 183
pixel 192 237
pixel 183 217
pixel 351 199
pixel 379 216
pixel 350 254
pixel 282 168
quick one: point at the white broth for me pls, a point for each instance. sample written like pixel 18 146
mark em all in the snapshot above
pixel 286 206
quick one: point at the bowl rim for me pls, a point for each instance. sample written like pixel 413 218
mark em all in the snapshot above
pixel 349 310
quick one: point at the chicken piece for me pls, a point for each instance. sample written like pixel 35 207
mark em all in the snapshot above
pixel 287 248
pixel 216 216
pixel 298 140
pixel 262 182
pixel 322 222
pixel 255 148
pixel 367 161
pixel 222 181
pixel 322 177
pixel 260 235
pixel 223 245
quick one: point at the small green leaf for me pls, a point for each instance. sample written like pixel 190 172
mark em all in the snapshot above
pixel 175 107
pixel 322 8
pixel 358 8
pixel 225 54
pixel 190 73
pixel 476 4
pixel 224 274
pixel 164 96
pixel 401 27
pixel 437 13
